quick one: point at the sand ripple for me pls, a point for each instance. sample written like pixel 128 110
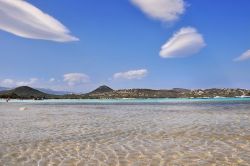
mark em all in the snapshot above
pixel 121 135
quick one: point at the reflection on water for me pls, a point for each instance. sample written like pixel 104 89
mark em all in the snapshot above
pixel 174 133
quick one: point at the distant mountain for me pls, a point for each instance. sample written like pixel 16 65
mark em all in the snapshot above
pixel 104 92
pixel 24 92
pixel 48 91
pixel 4 88
pixel 102 89
pixel 53 92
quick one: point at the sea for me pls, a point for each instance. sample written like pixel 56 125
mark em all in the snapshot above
pixel 125 132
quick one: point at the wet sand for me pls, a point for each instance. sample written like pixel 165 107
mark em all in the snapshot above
pixel 125 134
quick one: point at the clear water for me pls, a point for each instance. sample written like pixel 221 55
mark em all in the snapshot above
pixel 125 132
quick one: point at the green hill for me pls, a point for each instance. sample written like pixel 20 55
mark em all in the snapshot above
pixel 24 92
pixel 102 89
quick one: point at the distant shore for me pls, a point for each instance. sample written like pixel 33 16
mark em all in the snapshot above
pixel 105 92
pixel 124 100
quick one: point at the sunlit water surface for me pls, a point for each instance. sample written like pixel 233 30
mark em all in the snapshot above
pixel 137 133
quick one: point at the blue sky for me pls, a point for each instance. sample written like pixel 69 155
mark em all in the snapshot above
pixel 119 43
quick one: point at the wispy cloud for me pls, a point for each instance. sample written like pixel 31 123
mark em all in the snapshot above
pixel 7 82
pixel 244 56
pixel 52 80
pixel 12 83
pixel 73 82
pixel 187 41
pixel 163 10
pixel 73 79
pixel 27 83
pixel 132 74
pixel 25 20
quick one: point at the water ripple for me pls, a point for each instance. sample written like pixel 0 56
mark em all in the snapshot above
pixel 121 135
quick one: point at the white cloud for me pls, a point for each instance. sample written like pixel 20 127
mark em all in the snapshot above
pixel 185 42
pixel 10 82
pixel 244 56
pixel 164 10
pixel 27 83
pixel 52 80
pixel 76 78
pixel 132 74
pixel 25 20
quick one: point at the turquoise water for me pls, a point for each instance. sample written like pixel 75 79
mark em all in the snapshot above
pixel 156 100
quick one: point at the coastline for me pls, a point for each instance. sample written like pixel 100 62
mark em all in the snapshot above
pixel 127 100
pixel 105 92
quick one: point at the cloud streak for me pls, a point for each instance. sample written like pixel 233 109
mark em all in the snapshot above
pixel 163 10
pixel 25 20
pixel 132 74
pixel 244 56
pixel 187 41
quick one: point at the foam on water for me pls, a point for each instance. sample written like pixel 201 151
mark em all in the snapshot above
pixel 141 133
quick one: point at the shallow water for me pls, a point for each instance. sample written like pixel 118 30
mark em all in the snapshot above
pixel 138 133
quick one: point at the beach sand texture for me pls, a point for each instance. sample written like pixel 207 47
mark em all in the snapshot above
pixel 175 133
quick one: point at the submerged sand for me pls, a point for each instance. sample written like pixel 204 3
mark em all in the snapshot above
pixel 125 134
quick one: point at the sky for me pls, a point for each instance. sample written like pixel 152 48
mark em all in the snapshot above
pixel 160 44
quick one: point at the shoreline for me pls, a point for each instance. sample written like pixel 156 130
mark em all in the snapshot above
pixel 124 100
